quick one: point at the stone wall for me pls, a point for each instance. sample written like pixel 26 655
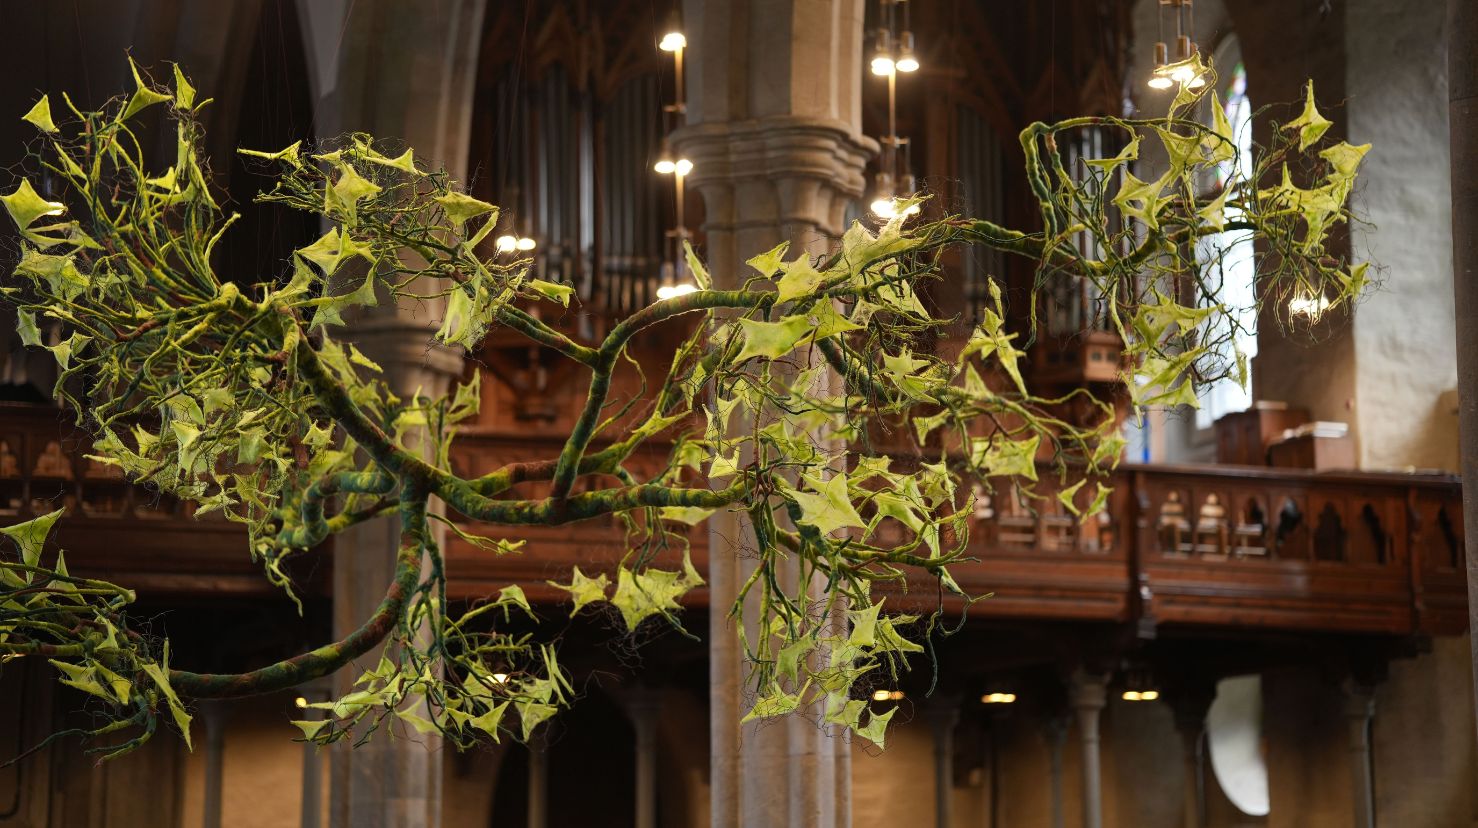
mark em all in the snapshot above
pixel 1396 79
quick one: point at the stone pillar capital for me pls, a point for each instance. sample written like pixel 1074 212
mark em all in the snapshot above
pixel 792 171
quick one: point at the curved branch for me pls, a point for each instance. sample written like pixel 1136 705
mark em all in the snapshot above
pixel 330 657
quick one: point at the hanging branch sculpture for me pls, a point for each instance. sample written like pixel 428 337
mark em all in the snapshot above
pixel 241 401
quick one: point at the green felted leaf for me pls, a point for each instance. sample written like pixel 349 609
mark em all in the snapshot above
pixel 827 321
pixel 1344 158
pixel 332 249
pixel 25 206
pixel 1130 152
pixel 776 703
pixel 459 207
pixel 1002 457
pixel 532 714
pixel 39 115
pixel 791 658
pixel 405 162
pixel 513 594
pixel 798 278
pixel 143 96
pixel 82 678
pixel 768 263
pixel 417 722
pixel 772 340
pixel 1067 495
pixel 350 189
pixel 26 327
pixel 1310 124
pixel 176 709
pixel 584 589
pixel 830 506
pixel 864 625
pixel 552 291
pixel 288 153
pixel 1143 199
pixel 1100 498
pixel 310 727
pixel 691 515
pixel 877 725
pixel 700 273
pixel 640 595
pixel 184 93
pixel 1219 147
pixel 488 722
pixel 1182 151
pixel 31 536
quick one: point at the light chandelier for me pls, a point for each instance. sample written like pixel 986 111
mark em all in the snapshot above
pixel 669 284
pixel 1182 70
pixel 893 52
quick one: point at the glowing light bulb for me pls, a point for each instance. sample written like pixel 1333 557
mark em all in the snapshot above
pixel 1149 695
pixel 500 678
pixel 527 243
pixel 1309 307
pixel 506 244
pixel 1196 83
pixel 672 41
pixel 1182 74
pixel 683 166
pixel 1132 695
pixel 998 698
pixel 674 291
pixel 883 66
pixel 887 695
pixel 1160 82
pixel 907 60
pixel 665 166
pixel 883 208
pixel 300 702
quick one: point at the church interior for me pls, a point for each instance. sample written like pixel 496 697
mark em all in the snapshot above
pixel 1267 624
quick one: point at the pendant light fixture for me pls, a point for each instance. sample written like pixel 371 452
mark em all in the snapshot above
pixel 893 52
pixel 671 278
pixel 1181 70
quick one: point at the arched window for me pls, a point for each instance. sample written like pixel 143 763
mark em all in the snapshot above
pixel 1228 256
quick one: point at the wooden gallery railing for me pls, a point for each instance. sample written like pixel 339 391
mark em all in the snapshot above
pixel 1231 546
pixel 112 529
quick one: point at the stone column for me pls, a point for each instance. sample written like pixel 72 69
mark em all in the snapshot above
pixel 1190 702
pixel 1089 695
pixel 643 706
pixel 1055 731
pixel 538 750
pixel 214 714
pixel 403 72
pixel 1359 711
pixel 1462 86
pixel 943 715
pixel 773 131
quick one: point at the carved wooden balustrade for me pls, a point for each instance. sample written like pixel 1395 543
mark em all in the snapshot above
pixel 112 529
pixel 1202 546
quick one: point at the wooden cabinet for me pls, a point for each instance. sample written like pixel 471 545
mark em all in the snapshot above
pixel 1243 438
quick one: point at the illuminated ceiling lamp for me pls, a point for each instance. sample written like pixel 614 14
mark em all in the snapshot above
pixel 893 53
pixel 668 163
pixel 907 60
pixel 509 243
pixel 1167 73
pixel 882 54
pixel 1138 686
